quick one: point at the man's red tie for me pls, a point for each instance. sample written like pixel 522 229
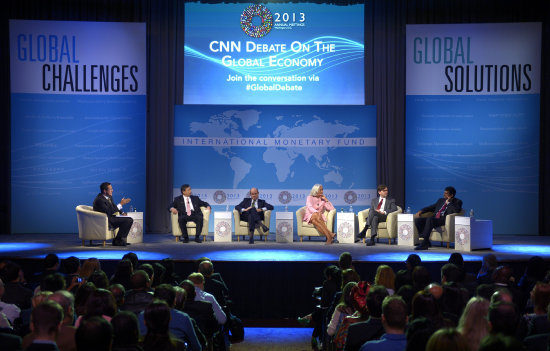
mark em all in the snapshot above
pixel 441 210
pixel 188 208
pixel 379 204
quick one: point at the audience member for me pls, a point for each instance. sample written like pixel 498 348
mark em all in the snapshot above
pixel 536 322
pixel 488 265
pixel 345 261
pixel 82 294
pixel 123 274
pixel 473 323
pixel 211 285
pixel 46 321
pixel 421 278
pixel 89 266
pixel 447 339
pixel 100 303
pixel 157 320
pixel 11 311
pixel 71 268
pixel 133 258
pixel 170 275
pixel 51 265
pixel 385 277
pixel 201 311
pixel 125 332
pixel 500 342
pixel 139 297
pixel 158 274
pixel 404 276
pixel 100 280
pixel 94 334
pixel 394 320
pixel 14 291
pixel 52 282
pixel 342 310
pixel 201 295
pixel 503 318
pixel 359 302
pixel 418 334
pixel 118 292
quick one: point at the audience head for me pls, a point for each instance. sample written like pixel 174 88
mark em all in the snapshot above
pixel 66 300
pixel 536 268
pixel 473 323
pixel 418 334
pixel 345 261
pixel 124 269
pixel 385 277
pixel 125 329
pixel 94 334
pixel 435 289
pixel 100 280
pixel 101 302
pixel 489 262
pixel 425 305
pixel 197 279
pixel 502 275
pixel 147 268
pixel 394 314
pixel 503 318
pixel 206 268
pixel 166 293
pixel 52 282
pixel 140 280
pixel 157 317
pixel 451 273
pixel 453 300
pixel 89 266
pixel 169 268
pixel 71 265
pixel 407 293
pixel 540 296
pixel 457 259
pixel 333 273
pixel 82 294
pixel 501 295
pixel 118 292
pixel 500 342
pixel 189 288
pixel 359 297
pixel 46 319
pixel 40 297
pixel 159 273
pixel 51 262
pixel 402 277
pixel 485 291
pixel 11 272
pixel 346 301
pixel 348 276
pixel 412 261
pixel 421 277
pixel 375 297
pixel 181 296
pixel 133 258
pixel 448 339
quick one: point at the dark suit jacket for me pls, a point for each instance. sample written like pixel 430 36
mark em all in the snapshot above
pixel 179 204
pixel 10 342
pixel 454 206
pixel 360 333
pixel 216 288
pixel 42 347
pixel 101 204
pixel 389 206
pixel 203 313
pixel 17 294
pixel 247 202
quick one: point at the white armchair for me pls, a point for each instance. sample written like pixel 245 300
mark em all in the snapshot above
pixel 93 225
pixel 446 233
pixel 307 229
pixel 241 227
pixel 386 230
pixel 191 226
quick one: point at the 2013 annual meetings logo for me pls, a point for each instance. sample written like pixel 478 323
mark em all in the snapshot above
pixel 269 20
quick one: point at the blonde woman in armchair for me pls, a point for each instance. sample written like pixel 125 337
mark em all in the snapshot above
pixel 316 204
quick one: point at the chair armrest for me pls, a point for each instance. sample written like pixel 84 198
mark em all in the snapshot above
pixel 391 222
pixel 236 218
pixel 267 217
pixel 362 218
pixel 300 216
pixel 330 220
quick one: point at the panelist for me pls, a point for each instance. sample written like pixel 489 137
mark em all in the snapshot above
pixel 316 204
pixel 446 205
pixel 252 211
pixel 188 208
pixel 380 207
pixel 104 203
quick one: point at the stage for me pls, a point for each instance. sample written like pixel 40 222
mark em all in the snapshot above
pixel 270 283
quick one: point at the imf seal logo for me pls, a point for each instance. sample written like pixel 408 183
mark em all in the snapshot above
pixel 285 197
pixel 350 197
pixel 256 11
pixel 219 197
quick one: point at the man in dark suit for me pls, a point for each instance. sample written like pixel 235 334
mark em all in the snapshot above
pixel 252 211
pixel 188 209
pixel 104 203
pixel 379 209
pixel 446 205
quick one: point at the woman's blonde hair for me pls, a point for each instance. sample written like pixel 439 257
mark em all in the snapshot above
pixel 385 277
pixel 473 324
pixel 315 190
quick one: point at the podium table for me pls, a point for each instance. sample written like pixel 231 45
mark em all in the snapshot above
pixel 345 224
pixel 222 226
pixel 407 235
pixel 284 224
pixel 135 236
pixel 473 234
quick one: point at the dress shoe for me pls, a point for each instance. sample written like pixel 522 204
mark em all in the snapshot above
pixel 421 247
pixel 127 243
pixel 185 240
pixel 198 240
pixel 370 242
pixel 265 228
pixel 251 239
pixel 363 232
pixel 118 242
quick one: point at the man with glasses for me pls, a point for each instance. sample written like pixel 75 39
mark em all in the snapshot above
pixel 380 207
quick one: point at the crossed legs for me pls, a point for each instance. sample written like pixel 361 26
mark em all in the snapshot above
pixel 321 226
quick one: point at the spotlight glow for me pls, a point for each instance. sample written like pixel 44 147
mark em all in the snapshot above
pixel 531 250
pixel 110 254
pixel 424 256
pixel 11 247
pixel 271 255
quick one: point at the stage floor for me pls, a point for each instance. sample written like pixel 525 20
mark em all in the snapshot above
pixel 159 246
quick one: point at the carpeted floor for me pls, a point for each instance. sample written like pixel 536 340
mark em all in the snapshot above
pixel 263 339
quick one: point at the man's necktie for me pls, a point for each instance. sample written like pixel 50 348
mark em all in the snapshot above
pixel 379 204
pixel 254 203
pixel 188 207
pixel 441 210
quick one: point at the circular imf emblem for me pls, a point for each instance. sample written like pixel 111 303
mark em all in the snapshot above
pixel 223 229
pixel 462 235
pixel 136 228
pixel 219 197
pixel 256 11
pixel 405 232
pixel 350 197
pixel 285 197
pixel 345 230
pixel 284 229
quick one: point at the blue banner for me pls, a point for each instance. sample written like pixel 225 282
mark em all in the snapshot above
pixel 78 114
pixel 473 111
pixel 276 53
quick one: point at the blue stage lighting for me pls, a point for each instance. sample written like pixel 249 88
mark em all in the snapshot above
pixel 11 247
pixel 270 255
pixel 110 255
pixel 531 250
pixel 402 256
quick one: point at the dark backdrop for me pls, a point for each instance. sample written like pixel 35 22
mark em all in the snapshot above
pixel 385 22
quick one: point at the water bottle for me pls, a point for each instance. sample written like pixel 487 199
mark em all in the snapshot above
pixel 341 209
pixel 131 208
pixel 286 208
pixel 408 209
pixel 351 208
pixel 226 208
pixel 471 212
